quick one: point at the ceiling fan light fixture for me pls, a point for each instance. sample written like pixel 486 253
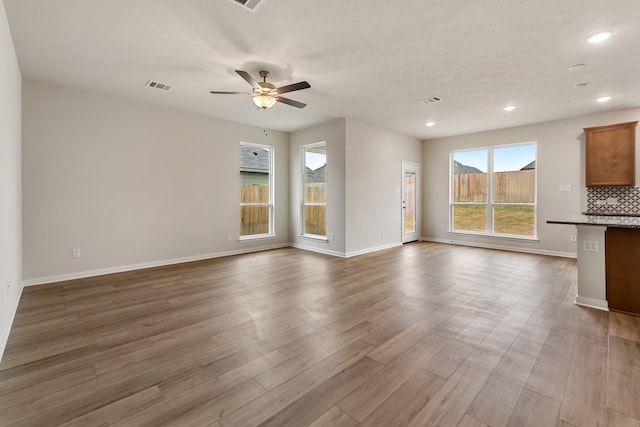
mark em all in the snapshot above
pixel 265 94
pixel 264 101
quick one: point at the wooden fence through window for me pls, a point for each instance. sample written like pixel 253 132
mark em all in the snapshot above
pixel 255 219
pixel 508 187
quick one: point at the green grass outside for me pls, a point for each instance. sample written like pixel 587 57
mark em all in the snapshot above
pixel 513 220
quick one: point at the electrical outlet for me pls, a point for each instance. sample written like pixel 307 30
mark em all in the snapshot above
pixel 565 187
pixel 601 202
pixel 381 233
pixel 75 253
pixel 573 238
pixel 229 236
pixel 613 201
pixel 331 237
pixel 590 246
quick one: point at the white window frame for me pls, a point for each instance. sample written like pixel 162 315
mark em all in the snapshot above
pixel 272 197
pixel 304 204
pixel 490 203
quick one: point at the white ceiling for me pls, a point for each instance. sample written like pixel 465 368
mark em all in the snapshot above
pixel 372 59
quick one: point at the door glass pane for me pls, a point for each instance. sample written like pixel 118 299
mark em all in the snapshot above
pixel 470 217
pixel 409 202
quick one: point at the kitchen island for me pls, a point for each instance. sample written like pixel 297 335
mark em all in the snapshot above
pixel 608 262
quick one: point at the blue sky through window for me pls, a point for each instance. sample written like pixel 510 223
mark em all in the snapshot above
pixel 475 158
pixel 510 158
pixel 513 158
pixel 314 160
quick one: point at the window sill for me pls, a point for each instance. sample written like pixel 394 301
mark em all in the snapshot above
pixel 255 237
pixel 496 236
pixel 314 237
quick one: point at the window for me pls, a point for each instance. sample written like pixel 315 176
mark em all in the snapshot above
pixel 314 184
pixel 509 207
pixel 256 190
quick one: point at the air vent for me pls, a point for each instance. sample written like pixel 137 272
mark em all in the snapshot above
pixel 431 100
pixel 252 5
pixel 157 85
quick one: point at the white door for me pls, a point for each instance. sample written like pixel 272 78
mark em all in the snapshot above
pixel 410 201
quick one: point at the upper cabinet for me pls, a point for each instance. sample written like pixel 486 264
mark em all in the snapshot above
pixel 611 155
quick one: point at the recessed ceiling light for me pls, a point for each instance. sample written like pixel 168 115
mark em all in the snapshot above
pixel 603 99
pixel 581 85
pixel 509 108
pixel 599 37
pixel 575 67
pixel 429 124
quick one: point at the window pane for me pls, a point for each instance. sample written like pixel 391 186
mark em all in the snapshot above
pixel 470 217
pixel 254 220
pixel 255 166
pixel 514 219
pixel 254 193
pixel 255 187
pixel 316 192
pixel 514 177
pixel 314 178
pixel 315 220
pixel 470 176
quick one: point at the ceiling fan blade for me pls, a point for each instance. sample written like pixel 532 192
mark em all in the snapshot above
pixel 292 87
pixel 291 102
pixel 248 79
pixel 216 92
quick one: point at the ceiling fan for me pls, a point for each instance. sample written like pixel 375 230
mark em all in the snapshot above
pixel 266 94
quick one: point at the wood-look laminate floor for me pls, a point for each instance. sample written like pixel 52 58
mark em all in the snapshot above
pixel 425 334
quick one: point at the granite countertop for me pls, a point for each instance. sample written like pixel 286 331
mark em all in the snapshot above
pixel 601 220
pixel 610 214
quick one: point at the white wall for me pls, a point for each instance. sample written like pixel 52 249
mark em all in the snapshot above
pixel 560 161
pixel 333 133
pixel 131 184
pixel 373 173
pixel 10 181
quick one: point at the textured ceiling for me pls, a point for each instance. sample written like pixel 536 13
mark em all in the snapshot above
pixel 371 59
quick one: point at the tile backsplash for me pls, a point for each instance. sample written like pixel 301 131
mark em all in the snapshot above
pixel 613 200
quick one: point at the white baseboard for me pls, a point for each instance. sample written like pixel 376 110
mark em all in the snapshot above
pixel 372 249
pixel 593 303
pixel 6 329
pixel 132 267
pixel 501 247
pixel 161 263
pixel 318 250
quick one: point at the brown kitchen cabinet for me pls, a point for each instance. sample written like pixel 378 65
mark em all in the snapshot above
pixel 610 155
pixel 622 259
